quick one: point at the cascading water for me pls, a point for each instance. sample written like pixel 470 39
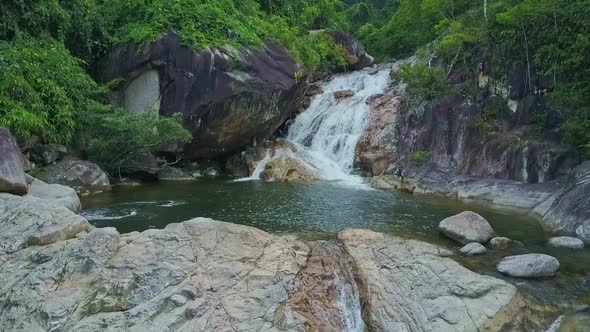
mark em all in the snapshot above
pixel 328 131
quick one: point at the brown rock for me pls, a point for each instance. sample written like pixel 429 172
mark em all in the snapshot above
pixel 340 95
pixel 287 169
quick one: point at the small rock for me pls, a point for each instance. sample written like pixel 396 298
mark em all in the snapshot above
pixel 178 300
pixel 339 95
pixel 529 266
pixel 197 175
pixel 47 154
pixel 500 243
pixel 566 242
pixel 211 172
pixel 473 249
pixel 467 227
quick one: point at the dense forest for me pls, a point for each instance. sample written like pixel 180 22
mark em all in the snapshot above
pixel 49 50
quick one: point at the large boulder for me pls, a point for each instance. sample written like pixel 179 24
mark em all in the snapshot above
pixel 529 266
pixel 227 96
pixel 413 286
pixel 12 168
pixel 83 176
pixel 55 194
pixel 467 227
pixel 353 50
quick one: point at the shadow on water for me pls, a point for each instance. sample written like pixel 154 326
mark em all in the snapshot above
pixel 320 210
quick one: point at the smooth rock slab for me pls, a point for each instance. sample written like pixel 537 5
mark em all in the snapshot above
pixel 30 221
pixel 467 227
pixel 529 266
pixel 566 242
pixel 409 285
pixel 473 249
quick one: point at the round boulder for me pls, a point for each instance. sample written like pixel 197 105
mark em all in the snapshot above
pixel 467 227
pixel 566 242
pixel 529 266
pixel 473 249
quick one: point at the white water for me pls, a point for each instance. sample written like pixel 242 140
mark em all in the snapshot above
pixel 328 131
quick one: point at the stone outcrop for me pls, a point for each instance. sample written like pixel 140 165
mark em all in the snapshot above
pixel 409 285
pixel 467 227
pixel 30 221
pixel 83 176
pixel 355 53
pixel 12 168
pixel 228 97
pixel 61 274
pixel 529 266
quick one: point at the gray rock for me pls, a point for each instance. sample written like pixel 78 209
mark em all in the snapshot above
pixel 414 286
pixel 566 242
pixel 78 174
pixel 473 249
pixel 143 93
pixel 12 168
pixel 467 227
pixel 500 243
pixel 29 221
pixel 529 266
pixel 47 154
pixel 55 194
pixel 169 173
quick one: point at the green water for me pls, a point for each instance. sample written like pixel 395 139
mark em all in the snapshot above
pixel 319 210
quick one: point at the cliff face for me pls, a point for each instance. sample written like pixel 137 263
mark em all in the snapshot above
pixel 451 133
pixel 227 97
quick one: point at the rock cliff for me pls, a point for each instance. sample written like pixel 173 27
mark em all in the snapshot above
pixel 227 96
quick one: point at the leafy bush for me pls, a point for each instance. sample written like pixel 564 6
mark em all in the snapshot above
pixel 117 140
pixel 423 82
pixel 41 88
pixel 419 157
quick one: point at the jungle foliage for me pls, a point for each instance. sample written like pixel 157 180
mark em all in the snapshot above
pixel 49 47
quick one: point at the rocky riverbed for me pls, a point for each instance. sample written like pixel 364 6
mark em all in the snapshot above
pixel 60 273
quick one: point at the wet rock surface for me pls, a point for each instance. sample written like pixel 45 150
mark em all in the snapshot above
pixel 12 168
pixel 467 227
pixel 529 266
pixel 287 169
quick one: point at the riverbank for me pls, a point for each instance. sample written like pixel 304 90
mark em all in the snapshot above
pixel 205 274
pixel 561 206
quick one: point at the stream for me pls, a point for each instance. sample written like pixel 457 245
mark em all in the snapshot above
pixel 327 134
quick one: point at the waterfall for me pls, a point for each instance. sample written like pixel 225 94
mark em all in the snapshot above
pixel 327 133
